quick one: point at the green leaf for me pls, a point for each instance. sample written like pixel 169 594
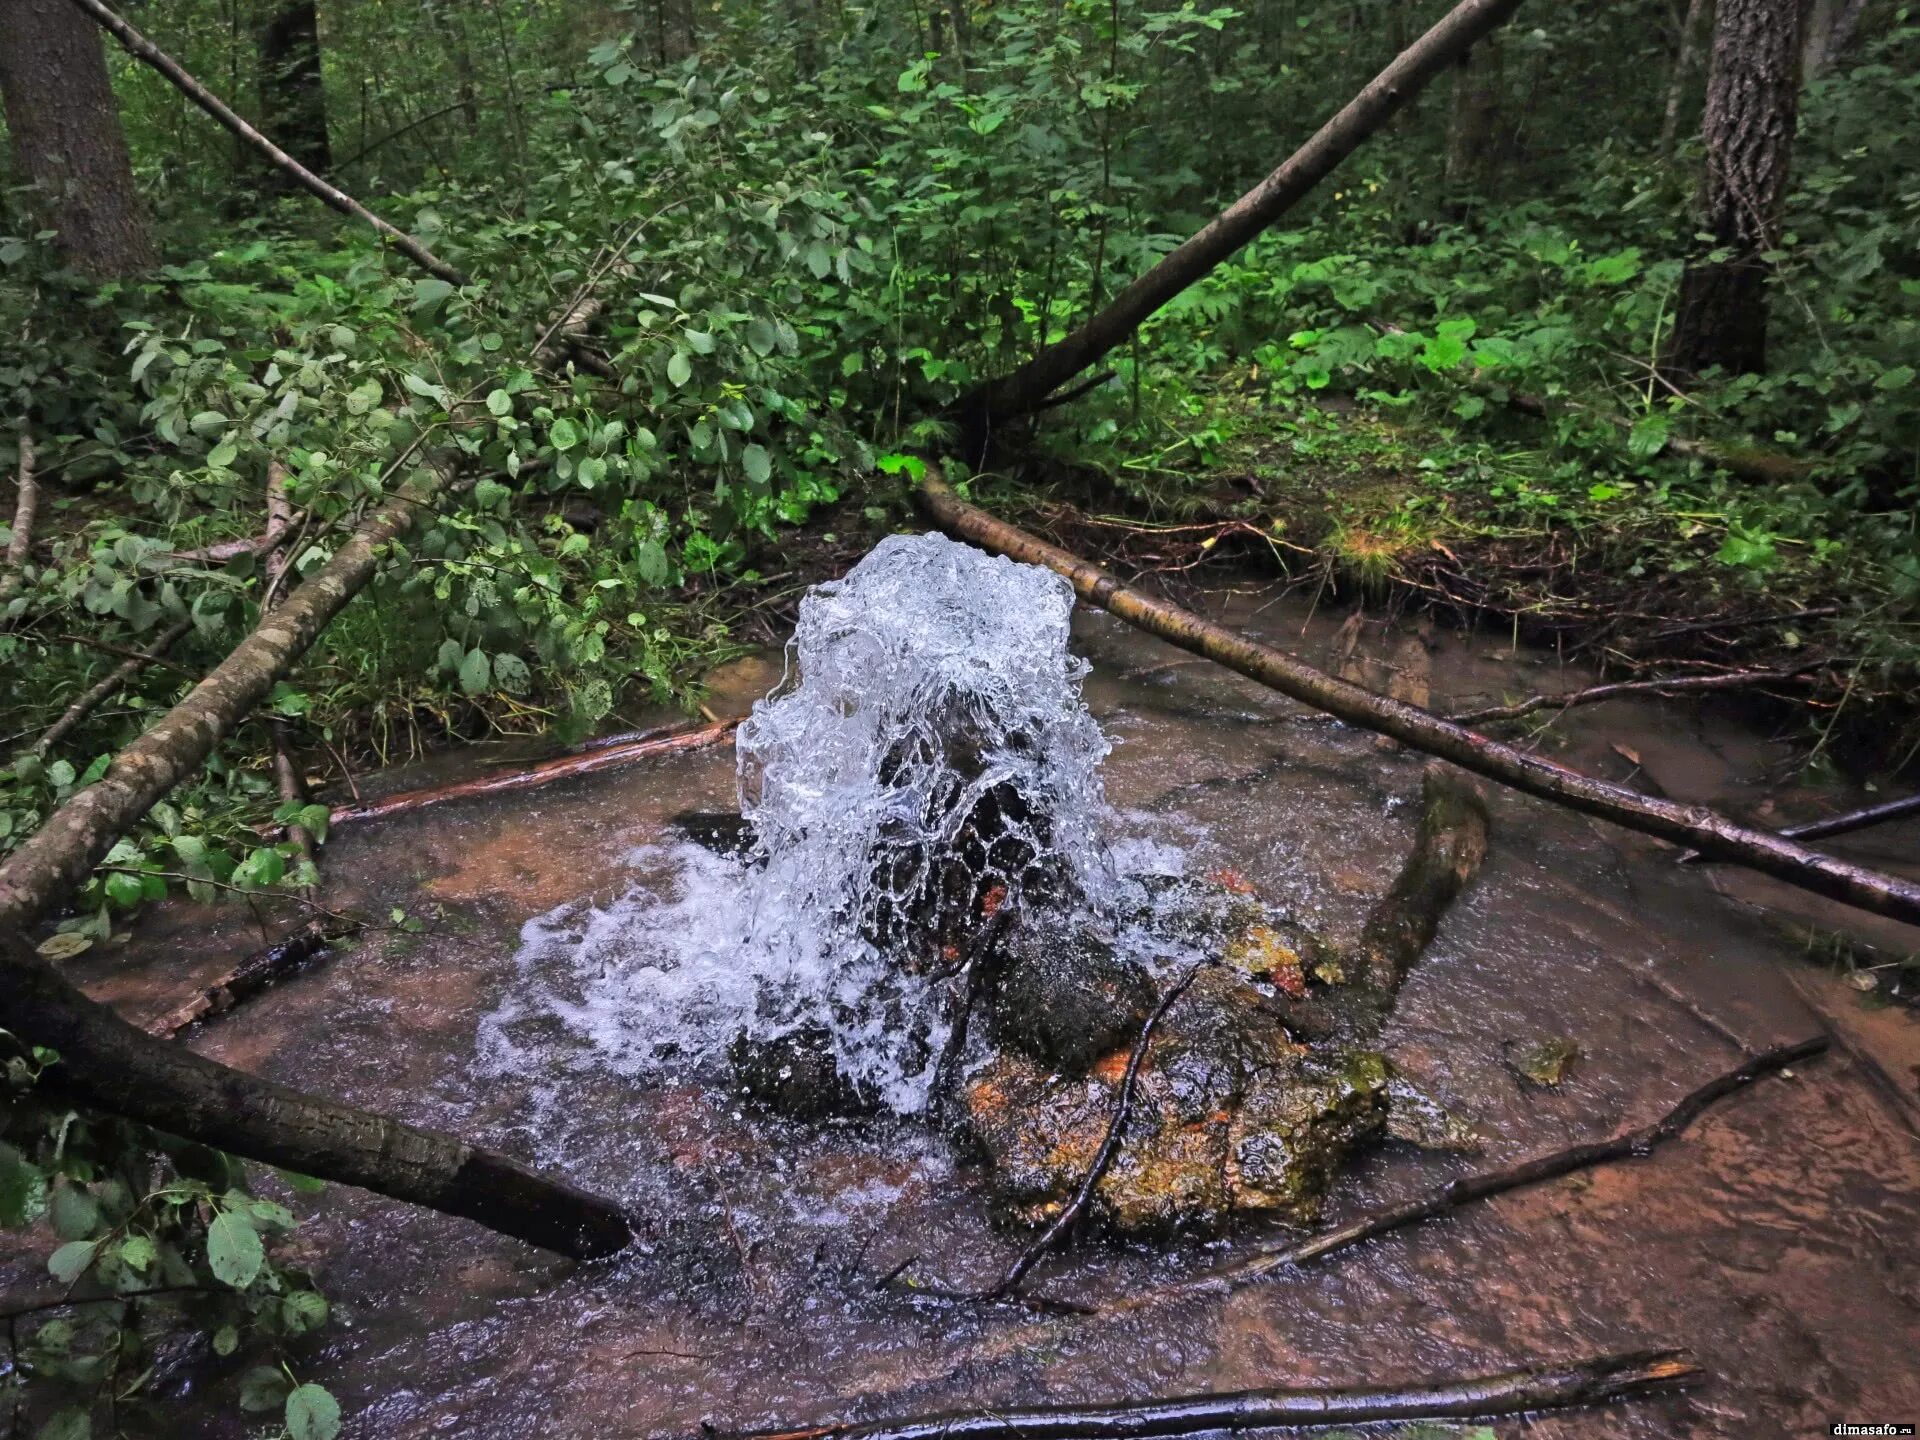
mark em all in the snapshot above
pixel 207 421
pixel 423 387
pixel 757 463
pixel 429 293
pixel 138 1252
pixel 650 559
pixel 913 465
pixel 301 1184
pixel 679 368
pixel 564 434
pixel 590 472
pixel 60 774
pixel 23 1189
pixel 499 402
pixel 189 848
pixel 125 891
pixel 234 1252
pixel 312 1414
pixel 72 1423
pixel 510 673
pixel 222 455
pixel 70 1261
pixel 1897 378
pixel 75 1213
pixel 303 1311
pixel 1648 436
pixel 226 1340
pixel 762 338
pixel 263 1388
pixel 475 672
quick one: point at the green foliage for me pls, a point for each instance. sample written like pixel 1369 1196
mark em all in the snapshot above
pixel 148 1231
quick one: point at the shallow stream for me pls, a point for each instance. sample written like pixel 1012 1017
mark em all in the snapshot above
pixel 1776 1238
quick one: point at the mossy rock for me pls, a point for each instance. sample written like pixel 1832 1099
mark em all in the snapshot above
pixel 1063 997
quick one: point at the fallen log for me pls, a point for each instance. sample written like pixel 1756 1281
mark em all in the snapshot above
pixel 1031 385
pixel 86 703
pixel 1443 1199
pixel 59 854
pixel 1593 1381
pixel 561 767
pixel 330 195
pixel 259 972
pixel 1451 847
pixel 111 1065
pixel 1706 830
pixel 1671 685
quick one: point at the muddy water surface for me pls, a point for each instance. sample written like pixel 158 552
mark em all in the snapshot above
pixel 1776 1239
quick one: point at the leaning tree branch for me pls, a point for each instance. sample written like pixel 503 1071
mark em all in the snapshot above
pixel 1845 824
pixel 86 703
pixel 1670 685
pixel 111 1065
pixel 74 838
pixel 1713 834
pixel 1592 1381
pixel 1025 388
pixel 145 51
pixel 1443 1199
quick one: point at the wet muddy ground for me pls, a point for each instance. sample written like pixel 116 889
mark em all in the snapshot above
pixel 1776 1238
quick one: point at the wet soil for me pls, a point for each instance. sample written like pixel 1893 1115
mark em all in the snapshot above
pixel 1775 1238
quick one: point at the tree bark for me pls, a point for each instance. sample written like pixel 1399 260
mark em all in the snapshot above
pixel 61 852
pixel 1711 833
pixel 26 513
pixel 293 96
pixel 1720 318
pixel 67 140
pixel 111 1065
pixel 1027 387
pixel 145 51
pixel 1831 26
pixel 1477 80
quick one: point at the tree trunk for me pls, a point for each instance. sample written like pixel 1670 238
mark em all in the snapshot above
pixel 293 96
pixel 67 139
pixel 1831 26
pixel 1027 388
pixel 1684 61
pixel 1721 315
pixel 110 1065
pixel 1476 113
pixel 1706 830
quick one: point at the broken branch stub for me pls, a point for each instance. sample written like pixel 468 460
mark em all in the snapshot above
pixel 1713 834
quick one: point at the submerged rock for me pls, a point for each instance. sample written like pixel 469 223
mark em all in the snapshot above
pixel 796 1075
pixel 1062 997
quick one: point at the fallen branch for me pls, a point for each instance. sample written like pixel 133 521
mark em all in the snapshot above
pixel 26 510
pixel 1711 833
pixel 86 703
pixel 59 854
pixel 1515 1392
pixel 222 551
pixel 1028 386
pixel 1448 853
pixel 125 652
pixel 108 1064
pixel 979 969
pixel 144 50
pixel 563 767
pixel 1443 1199
pixel 1671 685
pixel 1061 1230
pixel 1844 824
pixel 260 971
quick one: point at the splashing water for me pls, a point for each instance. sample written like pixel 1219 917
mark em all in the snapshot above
pixel 928 748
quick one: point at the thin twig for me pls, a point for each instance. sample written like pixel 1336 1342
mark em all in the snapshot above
pixel 114 679
pixel 1670 685
pixel 125 652
pixel 1063 1224
pixel 1515 1392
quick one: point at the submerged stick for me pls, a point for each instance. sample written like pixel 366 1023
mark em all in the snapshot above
pixel 1514 1392
pixel 332 196
pixel 1442 1199
pixel 1063 1224
pixel 1843 824
pixel 1708 831
pixel 1594 694
pixel 260 971
pixel 562 767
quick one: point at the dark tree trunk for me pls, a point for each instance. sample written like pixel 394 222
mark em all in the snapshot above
pixel 293 98
pixel 1721 315
pixel 67 139
pixel 1474 123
